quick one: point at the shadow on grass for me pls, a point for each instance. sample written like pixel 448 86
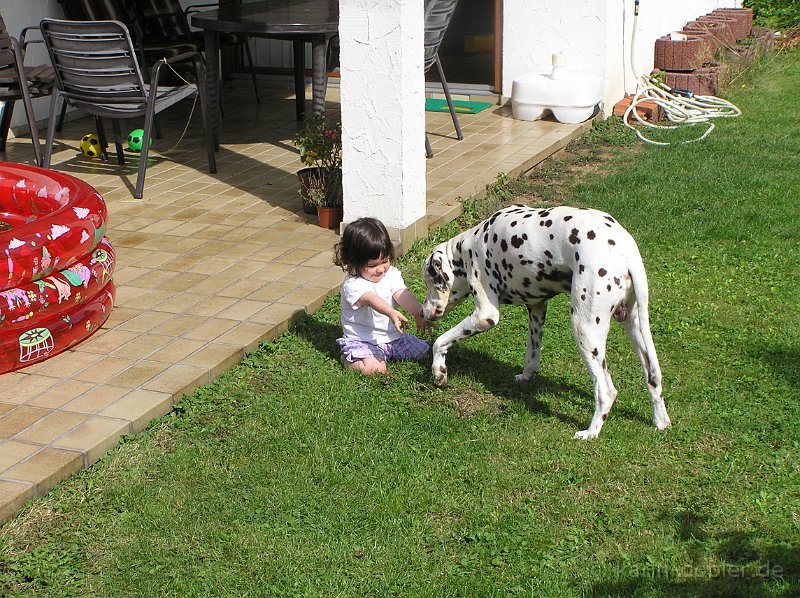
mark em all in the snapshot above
pixel 781 360
pixel 490 373
pixel 744 566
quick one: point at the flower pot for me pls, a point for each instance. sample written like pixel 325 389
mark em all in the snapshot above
pixel 332 182
pixel 330 217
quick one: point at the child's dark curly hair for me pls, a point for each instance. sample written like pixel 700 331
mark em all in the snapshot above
pixel 363 240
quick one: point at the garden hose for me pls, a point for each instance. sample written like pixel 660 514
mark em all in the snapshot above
pixel 681 107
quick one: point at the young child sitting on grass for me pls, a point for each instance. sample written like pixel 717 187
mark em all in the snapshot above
pixel 371 293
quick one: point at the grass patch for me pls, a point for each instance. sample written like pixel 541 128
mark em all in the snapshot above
pixel 289 476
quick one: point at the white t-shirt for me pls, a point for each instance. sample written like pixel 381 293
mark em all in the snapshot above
pixel 364 323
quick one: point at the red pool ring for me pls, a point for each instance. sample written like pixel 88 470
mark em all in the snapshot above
pixel 56 267
pixel 56 334
pixel 48 220
pixel 26 305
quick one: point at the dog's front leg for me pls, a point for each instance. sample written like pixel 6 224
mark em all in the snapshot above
pixel 478 321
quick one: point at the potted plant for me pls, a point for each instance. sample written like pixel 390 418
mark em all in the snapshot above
pixel 320 144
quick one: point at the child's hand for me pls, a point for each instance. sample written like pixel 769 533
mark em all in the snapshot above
pixel 398 319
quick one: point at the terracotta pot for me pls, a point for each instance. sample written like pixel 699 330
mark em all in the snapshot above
pixel 333 183
pixel 330 217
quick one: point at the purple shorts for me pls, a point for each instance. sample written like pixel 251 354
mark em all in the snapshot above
pixel 407 346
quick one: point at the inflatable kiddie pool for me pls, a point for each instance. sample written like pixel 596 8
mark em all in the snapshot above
pixel 55 264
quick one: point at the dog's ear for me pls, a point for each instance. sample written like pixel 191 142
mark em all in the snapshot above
pixel 436 273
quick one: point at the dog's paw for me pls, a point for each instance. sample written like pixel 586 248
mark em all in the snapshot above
pixel 523 377
pixel 584 435
pixel 663 425
pixel 439 375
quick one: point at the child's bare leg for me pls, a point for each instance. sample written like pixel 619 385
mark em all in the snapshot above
pixel 367 366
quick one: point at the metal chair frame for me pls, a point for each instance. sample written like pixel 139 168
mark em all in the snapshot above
pixel 438 14
pixel 96 70
pixel 18 82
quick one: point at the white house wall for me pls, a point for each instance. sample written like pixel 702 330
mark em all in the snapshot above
pixel 593 35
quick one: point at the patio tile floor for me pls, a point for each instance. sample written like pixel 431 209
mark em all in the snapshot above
pixel 207 267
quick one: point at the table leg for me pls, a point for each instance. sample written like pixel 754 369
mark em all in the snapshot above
pixel 319 77
pixel 298 60
pixel 212 81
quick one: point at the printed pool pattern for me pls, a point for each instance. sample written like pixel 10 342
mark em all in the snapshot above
pixel 56 266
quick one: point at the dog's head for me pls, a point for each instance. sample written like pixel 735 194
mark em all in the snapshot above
pixel 445 286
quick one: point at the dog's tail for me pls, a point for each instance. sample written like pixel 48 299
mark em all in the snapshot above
pixel 641 293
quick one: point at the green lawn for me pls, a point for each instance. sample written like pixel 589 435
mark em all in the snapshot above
pixel 290 476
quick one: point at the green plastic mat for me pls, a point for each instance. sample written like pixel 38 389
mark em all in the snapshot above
pixel 461 107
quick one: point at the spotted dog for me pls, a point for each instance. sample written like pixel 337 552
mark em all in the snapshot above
pixel 526 256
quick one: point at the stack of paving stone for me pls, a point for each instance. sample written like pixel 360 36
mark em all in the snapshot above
pixel 688 59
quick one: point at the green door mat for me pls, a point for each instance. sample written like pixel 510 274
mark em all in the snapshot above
pixel 461 107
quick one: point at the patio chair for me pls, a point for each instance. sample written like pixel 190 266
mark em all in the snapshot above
pixel 96 70
pixel 166 20
pixel 149 50
pixel 437 18
pixel 18 82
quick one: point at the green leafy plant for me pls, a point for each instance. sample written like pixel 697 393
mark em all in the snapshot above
pixel 320 144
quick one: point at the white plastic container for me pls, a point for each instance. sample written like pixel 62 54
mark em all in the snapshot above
pixel 570 95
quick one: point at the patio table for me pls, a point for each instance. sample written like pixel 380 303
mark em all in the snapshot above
pixel 301 21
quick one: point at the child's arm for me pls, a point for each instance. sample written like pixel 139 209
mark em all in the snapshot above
pixel 408 302
pixel 372 300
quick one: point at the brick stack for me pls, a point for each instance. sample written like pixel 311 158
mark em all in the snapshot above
pixel 688 63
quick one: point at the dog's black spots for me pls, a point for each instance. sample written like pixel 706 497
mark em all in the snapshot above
pixel 597 320
pixel 496 275
pixel 583 297
pixel 602 272
pixel 581 268
pixel 608 288
pixel 609 218
pixel 504 245
pixel 567 218
pixel 573 237
pixel 595 352
pixel 608 225
pixel 650 380
pixel 513 223
pixel 548 254
pixel 494 238
pixel 612 242
pixel 605 415
pixel 486 238
pixel 528 216
pixel 476 232
pixel 540 265
pixel 590 235
pixel 548 223
pixel 458 263
pixel 494 217
pixel 468 331
pixel 469 253
pixel 552 237
pixel 617 281
pixel 526 282
pixel 488 264
pixel 516 242
pixel 485 226
pixel 577 256
pixel 544 213
pixel 458 247
pixel 604 364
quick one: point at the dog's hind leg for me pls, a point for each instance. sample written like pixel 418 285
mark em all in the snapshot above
pixel 639 337
pixel 590 336
pixel 536 316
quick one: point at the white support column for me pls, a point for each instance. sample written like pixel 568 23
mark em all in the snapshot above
pixel 383 114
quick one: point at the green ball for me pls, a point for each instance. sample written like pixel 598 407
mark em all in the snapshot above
pixel 90 145
pixel 135 140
